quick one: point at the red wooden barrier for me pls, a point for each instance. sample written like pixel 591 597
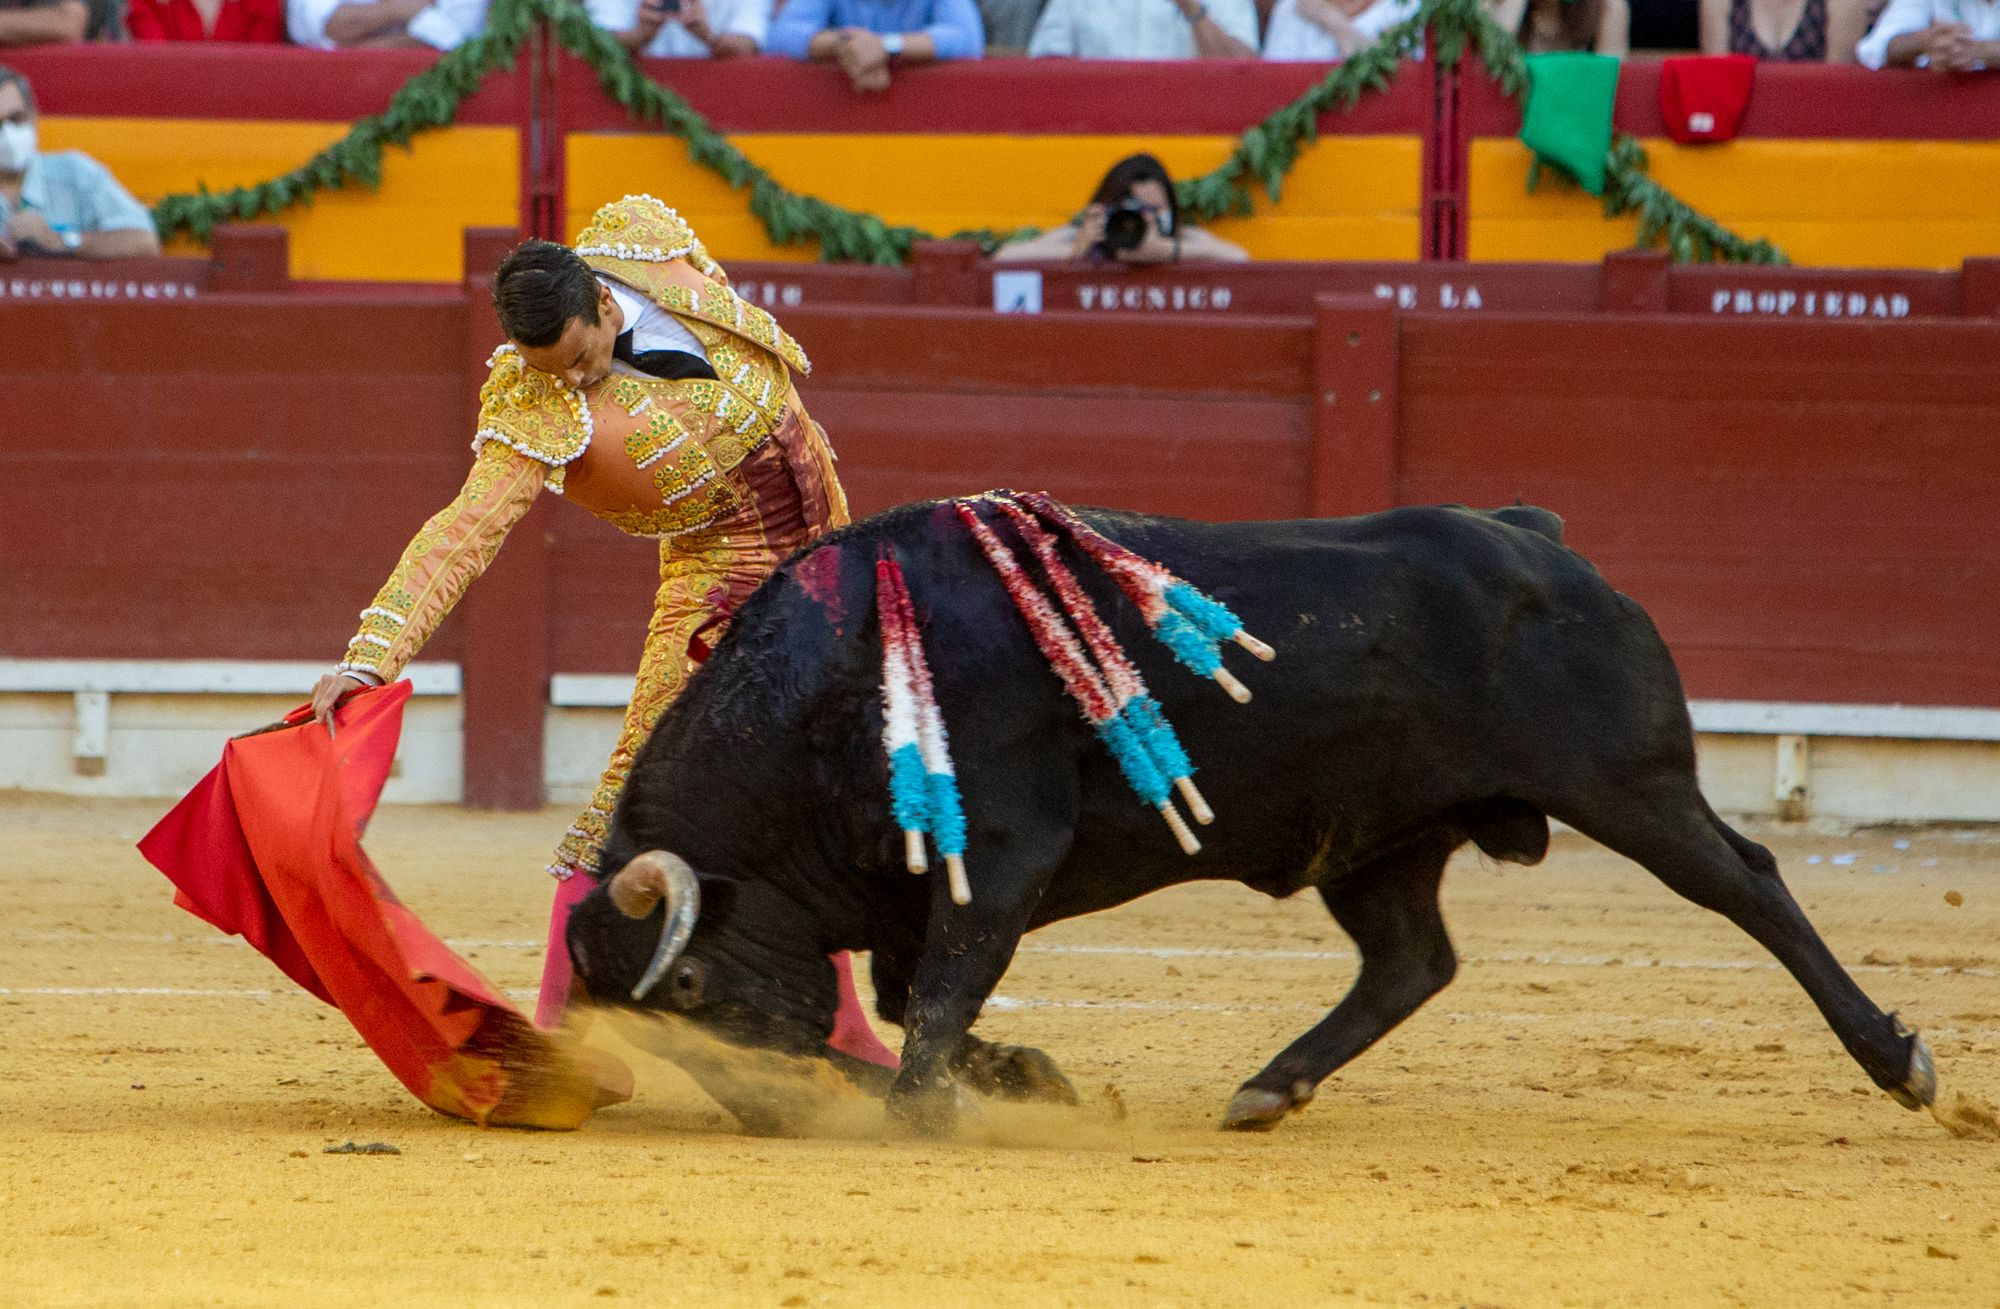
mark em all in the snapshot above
pixel 1055 96
pixel 1274 287
pixel 1801 506
pixel 1829 101
pixel 1634 281
pixel 190 79
pixel 1209 420
pixel 1801 502
pixel 221 476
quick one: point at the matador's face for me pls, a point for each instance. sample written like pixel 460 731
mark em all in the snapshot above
pixel 581 356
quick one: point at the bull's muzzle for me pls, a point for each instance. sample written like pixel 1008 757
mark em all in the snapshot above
pixel 638 886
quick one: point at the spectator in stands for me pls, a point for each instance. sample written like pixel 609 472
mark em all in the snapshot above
pixel 1009 24
pixel 1820 31
pixel 64 203
pixel 1132 218
pixel 206 20
pixel 1321 31
pixel 1545 25
pixel 343 24
pixel 42 22
pixel 685 29
pixel 1945 36
pixel 869 37
pixel 1147 29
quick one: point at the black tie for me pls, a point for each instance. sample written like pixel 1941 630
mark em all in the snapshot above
pixel 675 365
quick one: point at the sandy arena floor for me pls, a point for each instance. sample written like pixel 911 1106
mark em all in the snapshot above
pixel 1620 1102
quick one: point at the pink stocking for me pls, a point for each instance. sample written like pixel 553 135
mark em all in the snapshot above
pixel 555 963
pixel 851 1033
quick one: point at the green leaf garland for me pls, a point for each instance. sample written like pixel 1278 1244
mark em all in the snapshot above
pixel 1262 158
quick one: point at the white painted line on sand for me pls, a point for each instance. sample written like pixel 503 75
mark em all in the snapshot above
pixel 1607 1023
pixel 1539 960
pixel 203 992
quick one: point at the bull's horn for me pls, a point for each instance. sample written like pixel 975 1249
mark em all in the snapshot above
pixel 643 883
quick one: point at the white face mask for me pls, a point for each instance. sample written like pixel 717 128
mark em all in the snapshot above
pixel 17 146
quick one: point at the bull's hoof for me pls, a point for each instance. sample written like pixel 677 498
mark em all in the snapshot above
pixel 1013 1072
pixel 1255 1109
pixel 1919 1087
pixel 932 1111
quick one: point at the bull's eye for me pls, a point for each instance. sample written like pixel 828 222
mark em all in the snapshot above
pixel 686 984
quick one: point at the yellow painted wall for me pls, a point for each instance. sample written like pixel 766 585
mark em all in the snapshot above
pixel 1352 197
pixel 1868 204
pixel 411 230
pixel 1851 203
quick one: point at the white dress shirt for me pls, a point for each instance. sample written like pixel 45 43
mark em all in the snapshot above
pixel 751 18
pixel 446 24
pixel 1291 36
pixel 1133 29
pixel 652 327
pixel 1903 17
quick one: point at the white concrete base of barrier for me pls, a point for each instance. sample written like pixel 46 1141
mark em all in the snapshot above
pixel 125 731
pixel 151 728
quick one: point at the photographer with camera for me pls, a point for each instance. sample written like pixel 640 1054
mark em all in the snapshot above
pixel 1132 219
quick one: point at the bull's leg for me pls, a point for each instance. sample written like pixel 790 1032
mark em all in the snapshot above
pixel 1008 1072
pixel 1679 839
pixel 957 973
pixel 1390 908
pixel 889 968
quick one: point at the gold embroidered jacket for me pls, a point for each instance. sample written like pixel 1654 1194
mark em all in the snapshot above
pixel 665 450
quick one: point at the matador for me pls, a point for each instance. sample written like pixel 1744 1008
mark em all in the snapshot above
pixel 638 385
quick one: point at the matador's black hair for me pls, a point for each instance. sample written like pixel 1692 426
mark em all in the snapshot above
pixel 539 288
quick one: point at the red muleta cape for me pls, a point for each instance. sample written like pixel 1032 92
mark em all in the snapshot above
pixel 268 847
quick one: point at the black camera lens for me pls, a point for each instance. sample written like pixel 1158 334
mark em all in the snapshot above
pixel 1125 226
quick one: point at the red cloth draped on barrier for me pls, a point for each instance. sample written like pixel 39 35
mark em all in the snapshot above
pixel 268 847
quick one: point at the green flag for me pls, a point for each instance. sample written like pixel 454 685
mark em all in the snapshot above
pixel 1568 118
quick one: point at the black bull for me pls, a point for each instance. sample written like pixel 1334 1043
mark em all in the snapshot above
pixel 1443 675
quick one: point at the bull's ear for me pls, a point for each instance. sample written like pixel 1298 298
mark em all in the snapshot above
pixel 718 898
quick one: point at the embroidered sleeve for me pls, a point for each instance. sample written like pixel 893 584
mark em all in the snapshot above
pixel 450 550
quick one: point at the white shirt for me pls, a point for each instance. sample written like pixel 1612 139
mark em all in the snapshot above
pixel 1133 29
pixel 652 327
pixel 1903 17
pixel 1294 37
pixel 751 18
pixel 447 24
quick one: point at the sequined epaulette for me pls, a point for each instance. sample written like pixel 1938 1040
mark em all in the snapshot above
pixel 533 414
pixel 643 229
pixel 638 240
